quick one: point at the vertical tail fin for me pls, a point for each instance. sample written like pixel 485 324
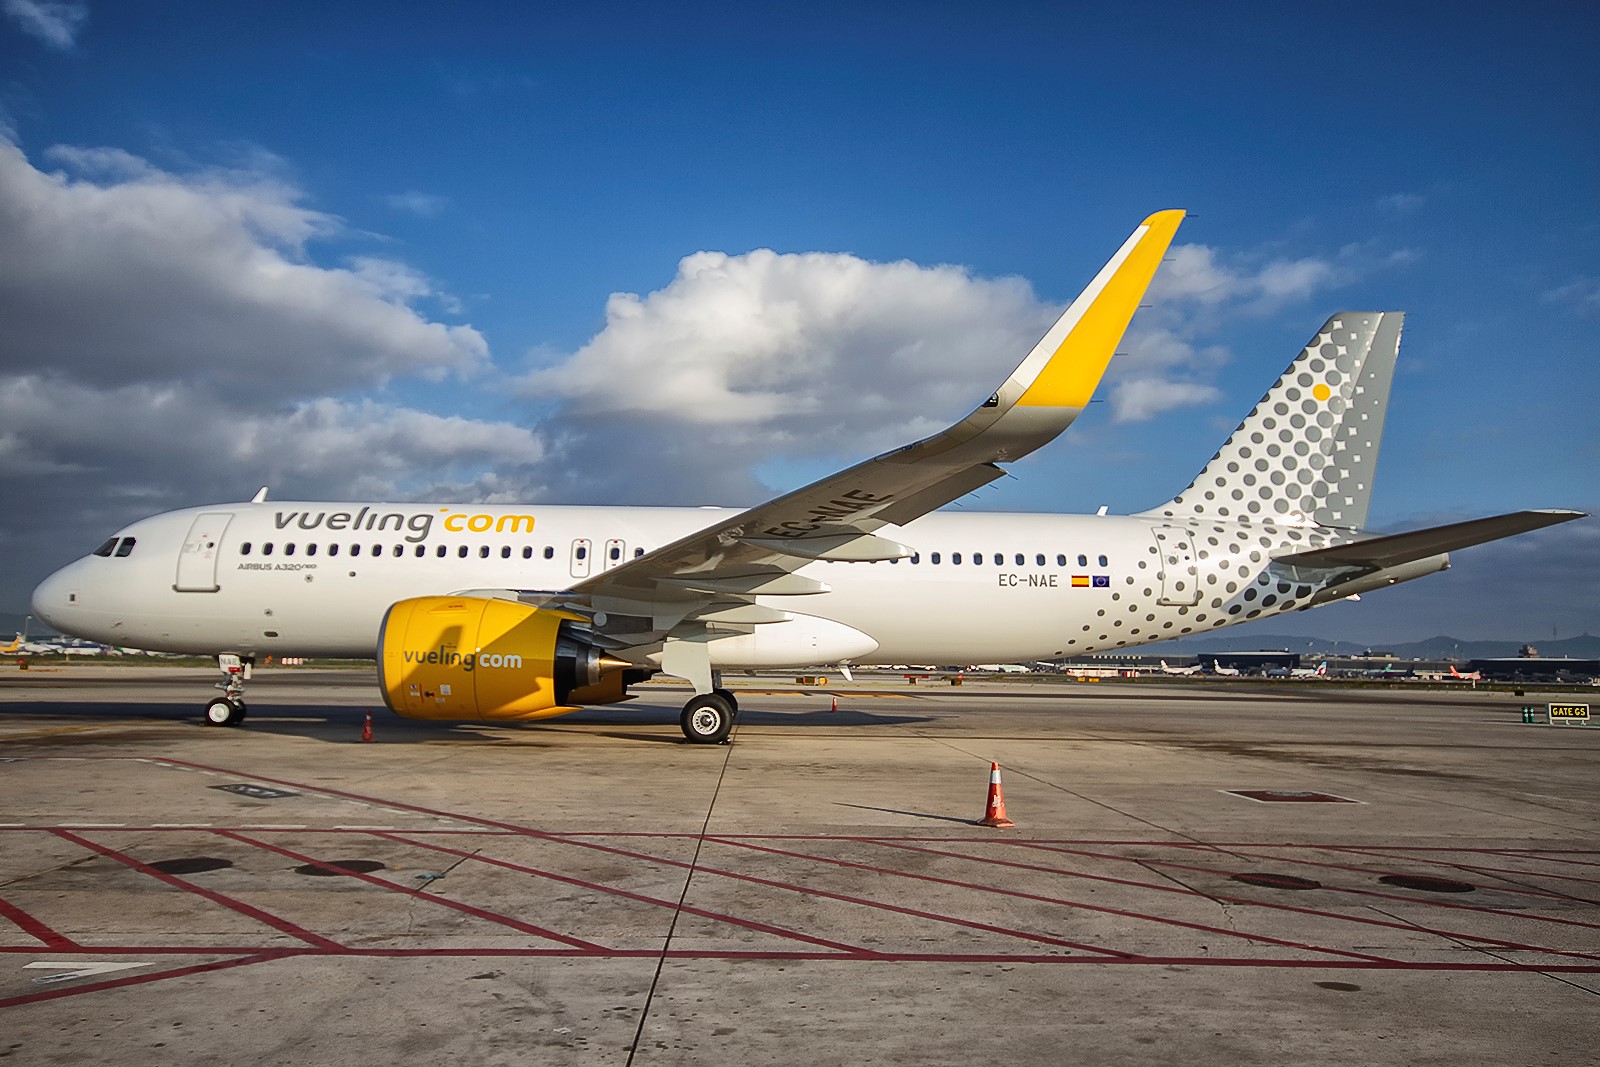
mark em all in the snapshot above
pixel 1307 453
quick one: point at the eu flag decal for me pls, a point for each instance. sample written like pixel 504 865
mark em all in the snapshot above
pixel 1102 581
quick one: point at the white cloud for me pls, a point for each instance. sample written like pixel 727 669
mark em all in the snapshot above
pixel 1145 398
pixel 123 272
pixel 169 339
pixel 792 342
pixel 1583 296
pixel 412 202
pixel 1401 203
pixel 55 22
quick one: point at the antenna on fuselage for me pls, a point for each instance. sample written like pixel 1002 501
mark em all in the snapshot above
pixel 260 497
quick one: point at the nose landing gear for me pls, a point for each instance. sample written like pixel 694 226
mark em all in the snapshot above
pixel 228 709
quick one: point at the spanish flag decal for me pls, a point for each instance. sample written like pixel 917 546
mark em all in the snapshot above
pixel 1080 581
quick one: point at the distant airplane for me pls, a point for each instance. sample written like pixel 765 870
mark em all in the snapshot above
pixel 1002 668
pixel 1225 672
pixel 1470 676
pixel 1319 671
pixel 1195 669
pixel 492 612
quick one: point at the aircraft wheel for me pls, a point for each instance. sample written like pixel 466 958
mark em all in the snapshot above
pixel 727 694
pixel 707 719
pixel 224 712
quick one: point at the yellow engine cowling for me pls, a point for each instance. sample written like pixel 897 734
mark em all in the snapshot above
pixel 476 658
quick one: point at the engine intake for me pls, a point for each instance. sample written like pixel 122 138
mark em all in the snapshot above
pixel 475 658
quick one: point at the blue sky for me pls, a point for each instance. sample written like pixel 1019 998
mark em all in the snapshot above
pixel 372 249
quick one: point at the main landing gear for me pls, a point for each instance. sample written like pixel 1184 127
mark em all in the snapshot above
pixel 708 717
pixel 228 709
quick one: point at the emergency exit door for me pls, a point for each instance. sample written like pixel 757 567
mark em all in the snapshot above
pixel 197 560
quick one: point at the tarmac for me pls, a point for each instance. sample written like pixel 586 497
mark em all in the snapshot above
pixel 1209 871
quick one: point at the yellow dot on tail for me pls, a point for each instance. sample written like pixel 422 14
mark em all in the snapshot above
pixel 1321 391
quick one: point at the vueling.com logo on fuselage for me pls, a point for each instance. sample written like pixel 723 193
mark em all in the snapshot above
pixel 417 524
pixel 467 661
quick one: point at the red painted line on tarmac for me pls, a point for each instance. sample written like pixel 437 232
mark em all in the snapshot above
pixel 970 924
pixel 419 894
pixel 141 979
pixel 1540 855
pixel 1474 867
pixel 158 950
pixel 239 906
pixel 1353 891
pixel 36 929
pixel 1258 938
pixel 671 905
pixel 1362 921
pixel 1324 865
pixel 542 835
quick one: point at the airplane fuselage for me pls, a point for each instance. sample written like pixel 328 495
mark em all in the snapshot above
pixel 315 579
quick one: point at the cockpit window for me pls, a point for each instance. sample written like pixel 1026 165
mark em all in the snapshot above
pixel 126 547
pixel 105 549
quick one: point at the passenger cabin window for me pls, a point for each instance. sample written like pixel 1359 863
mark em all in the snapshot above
pixel 505 551
pixel 333 550
pixel 916 557
pixel 934 558
pixel 581 552
pixel 266 549
pixel 462 551
pixel 1102 561
pixel 1000 558
pixel 616 553
pixel 638 552
pixel 549 552
pixel 955 557
pixel 1061 559
pixel 483 551
pixel 399 550
pixel 105 549
pixel 441 552
pixel 1083 561
pixel 311 550
pixel 1020 559
pixel 288 549
pixel 1038 560
pixel 422 550
pixel 244 548
pixel 527 551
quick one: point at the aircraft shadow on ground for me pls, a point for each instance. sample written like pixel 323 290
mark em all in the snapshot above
pixel 344 724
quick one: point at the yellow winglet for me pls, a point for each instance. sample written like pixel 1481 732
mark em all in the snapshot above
pixel 1080 345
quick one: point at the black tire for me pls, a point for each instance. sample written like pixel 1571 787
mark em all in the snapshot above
pixel 727 694
pixel 224 712
pixel 707 719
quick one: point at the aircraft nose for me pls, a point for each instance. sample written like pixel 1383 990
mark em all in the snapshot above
pixel 56 598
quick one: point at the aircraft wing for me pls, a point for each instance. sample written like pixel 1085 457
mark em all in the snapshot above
pixel 714 574
pixel 840 517
pixel 1396 549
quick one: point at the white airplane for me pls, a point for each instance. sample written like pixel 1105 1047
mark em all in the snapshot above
pixel 1470 676
pixel 1229 672
pixel 480 612
pixel 1192 669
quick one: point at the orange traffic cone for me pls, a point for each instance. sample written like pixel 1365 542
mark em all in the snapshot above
pixel 366 727
pixel 835 704
pixel 994 812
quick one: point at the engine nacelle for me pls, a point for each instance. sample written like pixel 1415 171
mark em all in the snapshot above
pixel 479 658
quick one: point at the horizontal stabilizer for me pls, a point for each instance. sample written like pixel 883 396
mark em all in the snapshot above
pixel 1396 549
